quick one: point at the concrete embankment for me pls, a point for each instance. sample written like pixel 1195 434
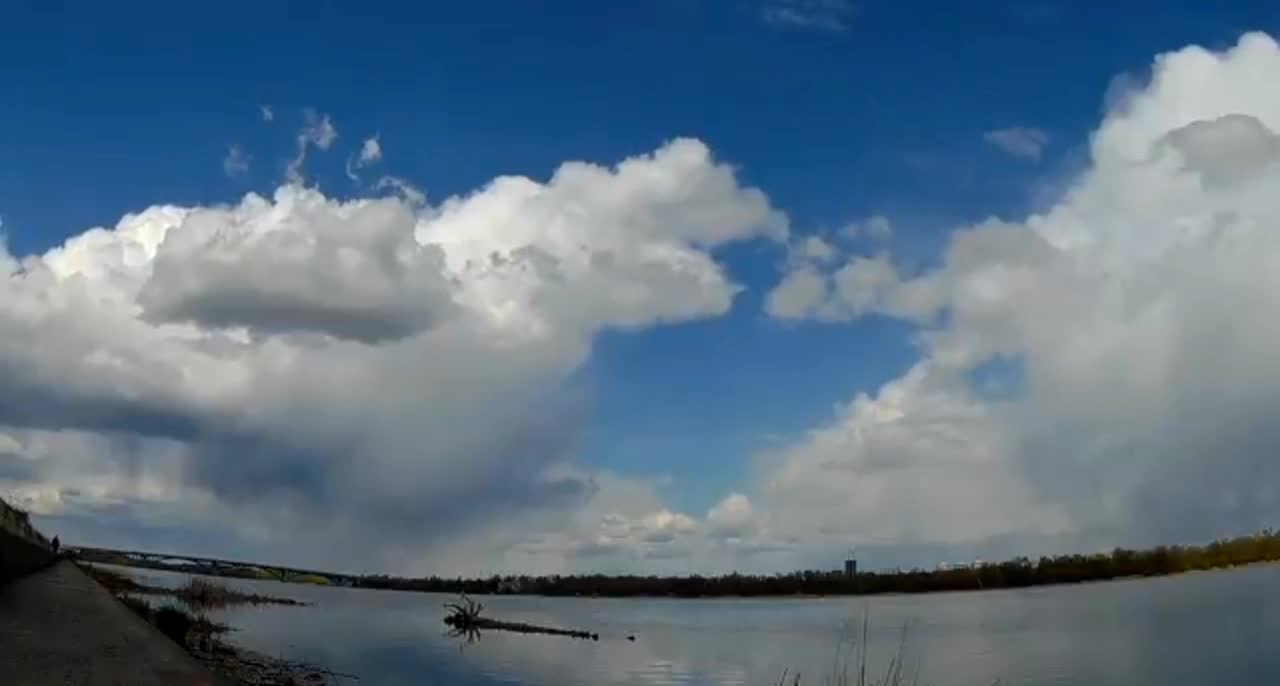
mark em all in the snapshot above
pixel 22 549
pixel 58 626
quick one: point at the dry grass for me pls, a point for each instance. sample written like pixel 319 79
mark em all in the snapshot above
pixel 851 664
pixel 201 593
pixel 115 581
pixel 184 628
pixel 198 593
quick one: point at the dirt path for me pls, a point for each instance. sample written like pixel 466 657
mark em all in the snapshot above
pixel 58 627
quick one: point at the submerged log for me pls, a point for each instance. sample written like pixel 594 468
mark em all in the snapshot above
pixel 524 628
pixel 465 618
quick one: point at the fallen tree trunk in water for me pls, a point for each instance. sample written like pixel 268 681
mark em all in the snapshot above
pixel 523 628
pixel 465 618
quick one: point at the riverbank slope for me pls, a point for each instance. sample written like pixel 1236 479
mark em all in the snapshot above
pixel 58 626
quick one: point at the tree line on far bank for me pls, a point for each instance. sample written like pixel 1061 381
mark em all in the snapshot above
pixel 1019 572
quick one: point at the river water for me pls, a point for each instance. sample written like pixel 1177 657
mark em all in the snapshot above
pixel 1205 628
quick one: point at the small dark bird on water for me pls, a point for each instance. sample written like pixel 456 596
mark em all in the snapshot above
pixel 631 638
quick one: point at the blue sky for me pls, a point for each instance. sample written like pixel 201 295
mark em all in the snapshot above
pixel 837 111
pixel 130 105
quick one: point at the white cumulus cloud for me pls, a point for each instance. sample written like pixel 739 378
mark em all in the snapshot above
pixel 304 368
pixel 860 286
pixel 799 296
pixel 733 517
pixel 1135 321
pixel 300 367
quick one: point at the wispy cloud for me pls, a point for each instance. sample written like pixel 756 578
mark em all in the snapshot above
pixel 956 172
pixel 410 193
pixel 1039 13
pixel 831 16
pixel 1019 141
pixel 317 131
pixel 268 114
pixel 370 153
pixel 876 227
pixel 236 162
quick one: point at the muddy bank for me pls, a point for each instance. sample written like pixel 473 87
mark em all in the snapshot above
pixel 255 669
pixel 205 640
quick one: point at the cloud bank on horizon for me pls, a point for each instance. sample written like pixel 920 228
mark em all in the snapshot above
pixel 295 370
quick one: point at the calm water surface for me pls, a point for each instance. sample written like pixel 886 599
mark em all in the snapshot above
pixel 1207 628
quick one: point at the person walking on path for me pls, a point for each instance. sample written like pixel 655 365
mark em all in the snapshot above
pixel 56 545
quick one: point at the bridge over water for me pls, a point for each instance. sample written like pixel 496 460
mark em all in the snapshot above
pixel 146 558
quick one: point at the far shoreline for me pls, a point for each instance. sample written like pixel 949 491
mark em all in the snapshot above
pixel 1016 574
pixel 887 594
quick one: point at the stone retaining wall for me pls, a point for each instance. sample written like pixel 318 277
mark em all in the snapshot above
pixel 22 549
